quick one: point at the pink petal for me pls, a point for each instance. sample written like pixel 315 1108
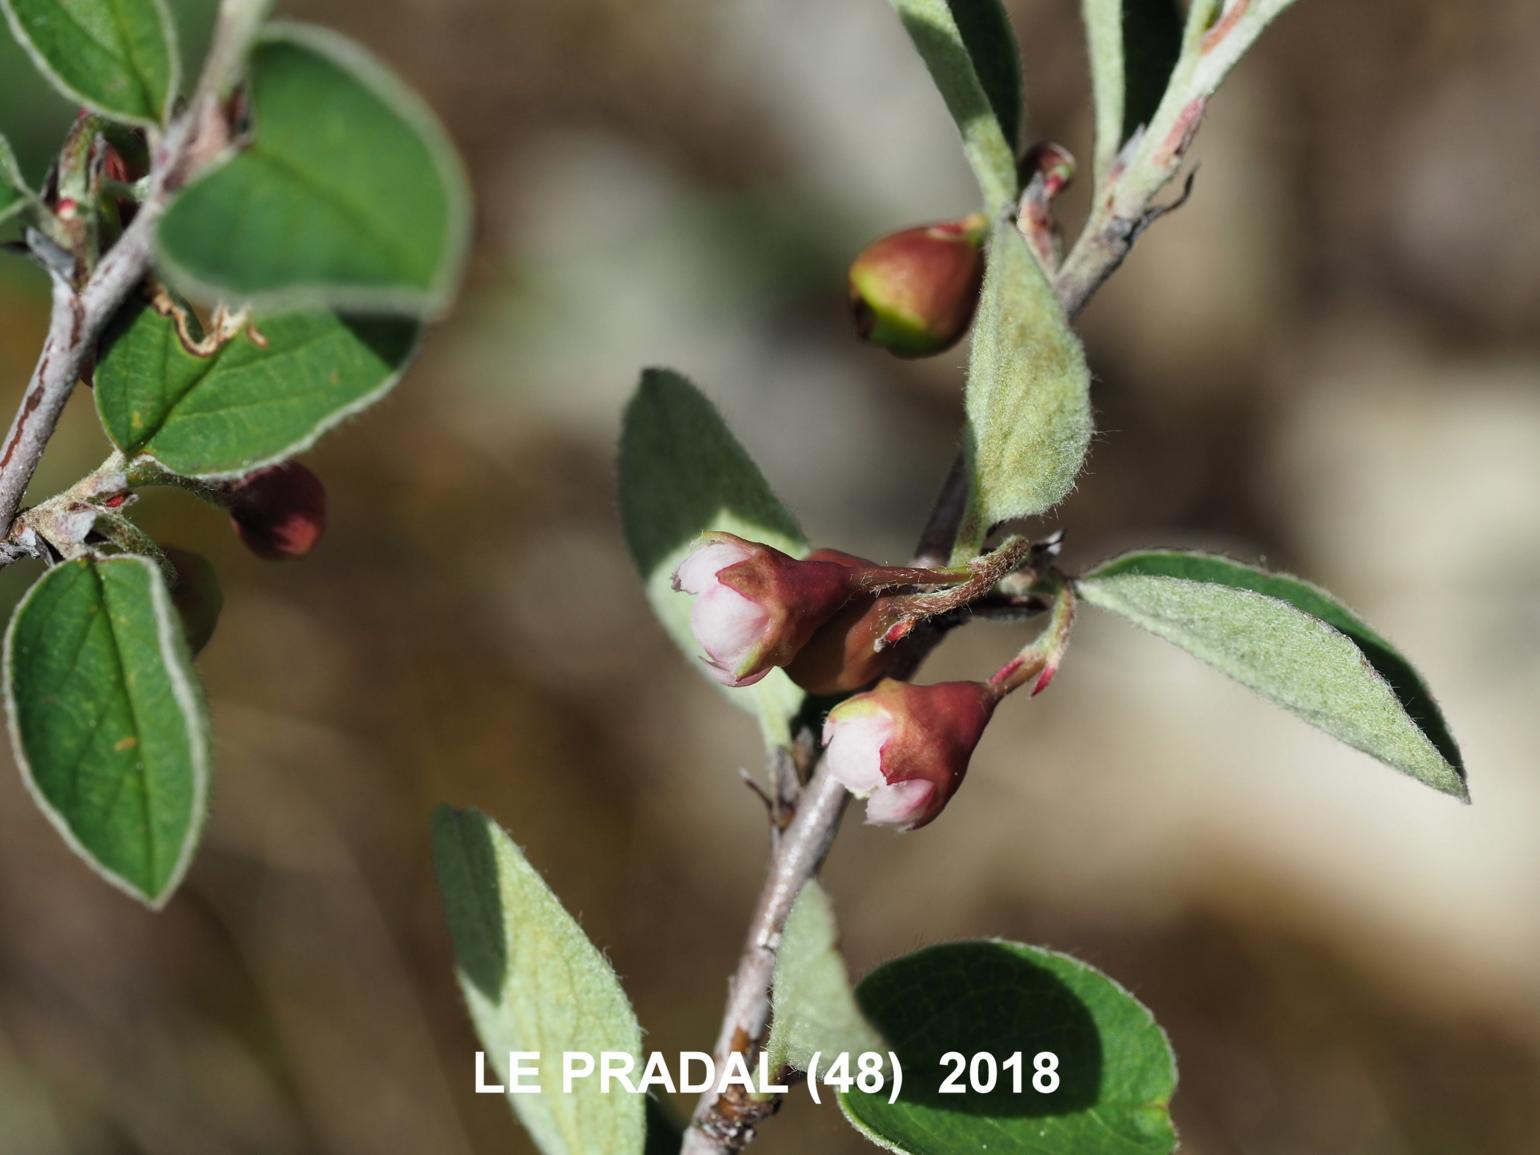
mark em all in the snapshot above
pixel 855 750
pixel 901 804
pixel 728 626
pixel 698 572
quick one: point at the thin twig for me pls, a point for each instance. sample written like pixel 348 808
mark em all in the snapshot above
pixel 723 1125
pixel 78 319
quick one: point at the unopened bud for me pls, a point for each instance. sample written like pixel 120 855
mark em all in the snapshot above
pixel 196 595
pixel 842 655
pixel 279 512
pixel 905 748
pixel 755 607
pixel 914 292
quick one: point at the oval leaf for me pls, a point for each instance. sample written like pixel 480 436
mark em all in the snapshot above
pixel 815 1010
pixel 682 473
pixel 1028 398
pixel 116 57
pixel 971 53
pixel 1116 1072
pixel 247 404
pixel 108 722
pixel 533 982
pixel 1295 645
pixel 14 194
pixel 349 195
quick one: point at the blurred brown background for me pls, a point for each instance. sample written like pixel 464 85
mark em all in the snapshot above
pixel 1329 360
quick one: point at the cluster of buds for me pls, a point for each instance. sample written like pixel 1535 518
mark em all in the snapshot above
pixel 828 621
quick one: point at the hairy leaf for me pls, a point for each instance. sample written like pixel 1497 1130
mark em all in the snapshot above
pixel 116 57
pixel 249 403
pixel 814 1008
pixel 108 721
pixel 971 53
pixel 533 982
pixel 1133 46
pixel 1028 398
pixel 1295 645
pixel 1115 1068
pixel 682 473
pixel 349 196
pixel 14 194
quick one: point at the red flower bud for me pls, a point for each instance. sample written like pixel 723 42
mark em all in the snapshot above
pixel 279 512
pixel 755 607
pixel 196 595
pixel 905 748
pixel 842 654
pixel 914 292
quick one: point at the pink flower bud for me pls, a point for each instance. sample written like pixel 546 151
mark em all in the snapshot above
pixel 905 748
pixel 914 292
pixel 755 607
pixel 278 512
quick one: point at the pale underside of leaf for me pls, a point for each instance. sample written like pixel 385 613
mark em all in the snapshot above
pixel 682 474
pixel 534 982
pixel 1028 397
pixel 1287 656
pixel 933 27
pixel 815 1010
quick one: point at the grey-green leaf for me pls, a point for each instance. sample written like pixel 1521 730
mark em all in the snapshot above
pixel 116 57
pixel 256 400
pixel 1028 398
pixel 815 1010
pixel 1133 46
pixel 108 720
pixel 971 53
pixel 682 473
pixel 349 195
pixel 1295 645
pixel 1115 1067
pixel 14 193
pixel 534 982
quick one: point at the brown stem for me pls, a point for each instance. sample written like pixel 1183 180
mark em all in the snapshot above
pixel 724 1125
pixel 78 318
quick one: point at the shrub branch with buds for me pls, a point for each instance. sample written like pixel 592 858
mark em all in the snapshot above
pixel 232 279
pixel 824 647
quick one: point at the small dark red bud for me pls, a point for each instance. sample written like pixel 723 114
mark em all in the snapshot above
pixel 196 596
pixel 914 292
pixel 279 512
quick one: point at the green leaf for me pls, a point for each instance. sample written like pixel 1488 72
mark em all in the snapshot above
pixel 1133 45
pixel 1115 1067
pixel 108 721
pixel 1295 645
pixel 247 404
pixel 682 473
pixel 533 982
pixel 1028 398
pixel 116 57
pixel 814 1008
pixel 971 53
pixel 349 195
pixel 14 193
